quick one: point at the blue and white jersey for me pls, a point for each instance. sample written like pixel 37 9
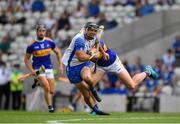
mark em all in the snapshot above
pixel 78 43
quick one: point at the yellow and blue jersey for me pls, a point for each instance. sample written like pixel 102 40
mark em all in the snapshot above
pixel 41 51
pixel 112 56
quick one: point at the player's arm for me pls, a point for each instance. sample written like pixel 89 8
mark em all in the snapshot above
pixel 57 51
pixel 28 64
pixel 82 56
pixel 79 51
pixel 100 48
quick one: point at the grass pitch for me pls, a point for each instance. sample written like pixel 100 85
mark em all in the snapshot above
pixel 80 117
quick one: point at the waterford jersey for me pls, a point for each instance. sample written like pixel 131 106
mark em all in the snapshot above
pixel 78 43
pixel 112 56
pixel 41 51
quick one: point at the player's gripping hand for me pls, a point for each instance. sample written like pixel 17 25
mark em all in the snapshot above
pixel 95 54
pixel 33 73
pixel 105 56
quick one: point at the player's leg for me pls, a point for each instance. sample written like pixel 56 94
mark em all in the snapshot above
pixel 131 83
pixel 88 98
pixel 51 82
pixel 137 78
pixel 45 85
pixel 125 77
pixel 86 75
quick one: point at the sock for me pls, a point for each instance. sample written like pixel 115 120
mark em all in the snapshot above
pixel 50 106
pixel 95 108
pixel 93 89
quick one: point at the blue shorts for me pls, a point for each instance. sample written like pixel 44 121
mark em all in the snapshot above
pixel 74 72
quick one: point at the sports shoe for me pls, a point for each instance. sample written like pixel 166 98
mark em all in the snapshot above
pixel 93 113
pixel 99 112
pixel 151 72
pixel 51 109
pixel 95 94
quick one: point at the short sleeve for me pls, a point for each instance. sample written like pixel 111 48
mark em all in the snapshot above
pixel 53 45
pixel 79 44
pixel 29 50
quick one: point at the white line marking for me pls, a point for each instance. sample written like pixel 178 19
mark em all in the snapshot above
pixel 120 118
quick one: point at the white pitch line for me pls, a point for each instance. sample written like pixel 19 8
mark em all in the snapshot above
pixel 120 118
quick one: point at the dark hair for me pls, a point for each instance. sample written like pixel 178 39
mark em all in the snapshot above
pixel 40 26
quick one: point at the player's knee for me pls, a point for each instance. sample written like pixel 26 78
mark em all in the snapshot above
pixel 88 79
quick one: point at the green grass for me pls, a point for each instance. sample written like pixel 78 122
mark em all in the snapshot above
pixel 80 117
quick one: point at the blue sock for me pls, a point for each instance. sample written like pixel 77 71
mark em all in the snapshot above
pixel 95 108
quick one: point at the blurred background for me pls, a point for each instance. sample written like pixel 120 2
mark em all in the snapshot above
pixel 141 31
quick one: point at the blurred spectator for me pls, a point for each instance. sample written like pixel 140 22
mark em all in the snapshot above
pixel 112 78
pixel 38 5
pixel 107 24
pixel 166 2
pixel 5 75
pixel 16 88
pixel 146 9
pixel 81 10
pixel 176 46
pixel 132 2
pixel 3 17
pixel 158 67
pixel 168 59
pixel 5 44
pixel 110 2
pixel 93 8
pixel 120 88
pixel 26 5
pixel 176 49
pixel 152 87
pixel 66 42
pixel 75 96
pixel 50 22
pixel 138 66
pixel 63 22
pixel 127 66
pixel 167 76
pixel 107 88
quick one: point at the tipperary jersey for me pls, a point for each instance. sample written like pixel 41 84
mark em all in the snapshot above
pixel 41 51
pixel 112 56
pixel 78 43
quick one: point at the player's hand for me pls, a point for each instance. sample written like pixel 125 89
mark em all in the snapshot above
pixel 106 56
pixel 97 55
pixel 33 73
pixel 61 70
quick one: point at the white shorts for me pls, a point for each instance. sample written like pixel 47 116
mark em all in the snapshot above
pixel 48 73
pixel 116 67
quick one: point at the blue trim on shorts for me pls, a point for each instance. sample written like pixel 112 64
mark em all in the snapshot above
pixel 74 72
